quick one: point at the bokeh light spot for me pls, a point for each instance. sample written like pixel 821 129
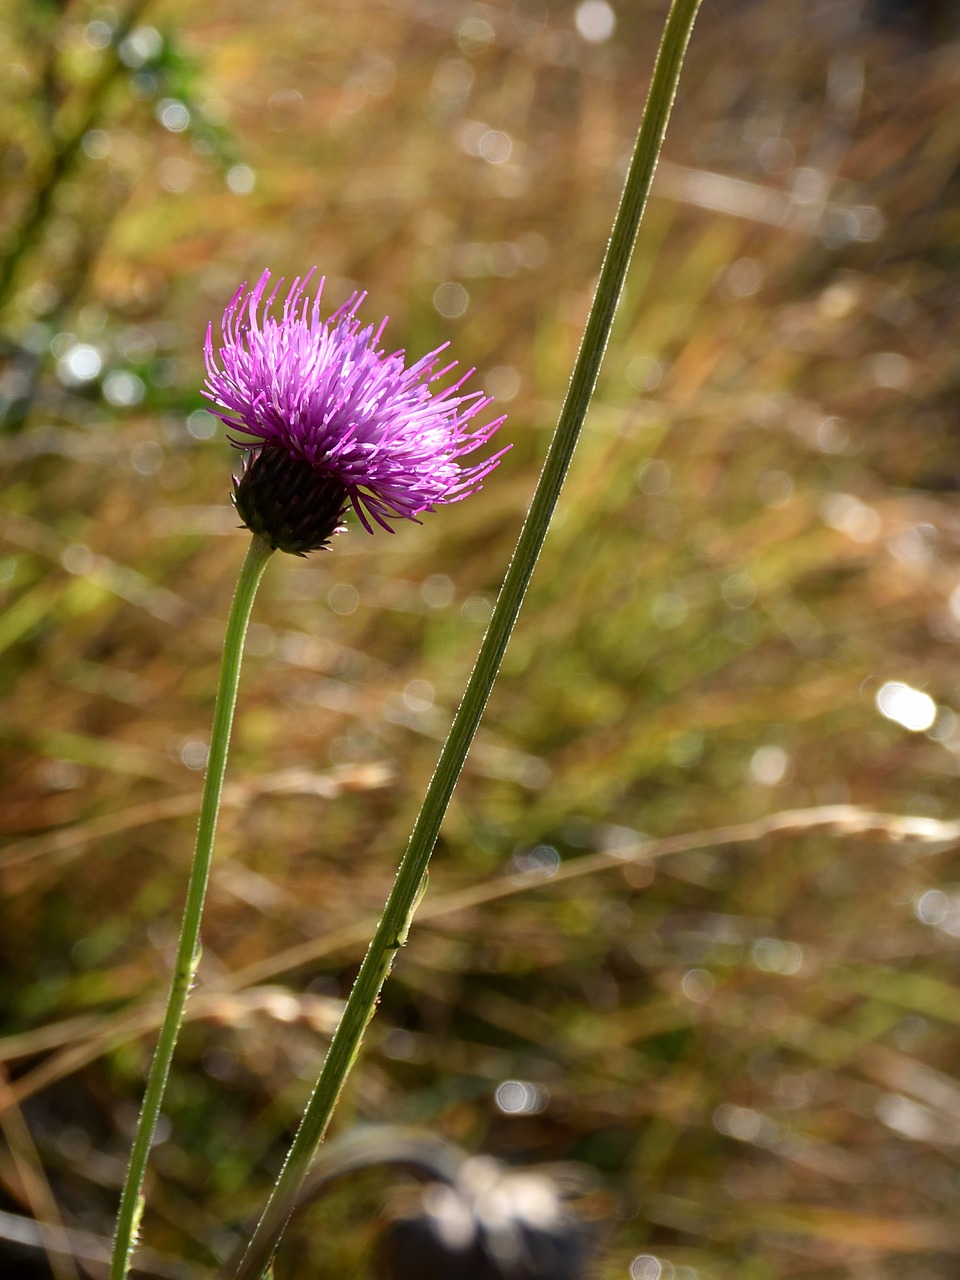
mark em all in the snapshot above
pixel 739 590
pixel 343 598
pixel 539 863
pixel 202 425
pixel 241 179
pixel 832 435
pixel 175 174
pixel 419 695
pixel 146 458
pixel 768 765
pixel 743 278
pixel 774 488
pixel 698 985
pixel 847 514
pixel 98 34
pixel 595 21
pixel 477 609
pixel 80 363
pixel 142 45
pixel 194 754
pixel 519 1097
pixel 932 907
pixel 173 114
pixel 495 146
pixel 437 590
pixel 451 300
pixel 742 1123
pixel 653 476
pixel 892 370
pixel 97 144
pixel 906 706
pixel 78 559
pixel 503 382
pixel 776 155
pixel 452 81
pixel 669 610
pixel 645 1267
pixel 773 955
pixel 475 35
pixel 645 373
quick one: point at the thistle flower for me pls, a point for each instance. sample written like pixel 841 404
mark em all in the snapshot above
pixel 330 421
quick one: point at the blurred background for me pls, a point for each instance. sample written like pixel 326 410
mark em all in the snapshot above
pixel 694 915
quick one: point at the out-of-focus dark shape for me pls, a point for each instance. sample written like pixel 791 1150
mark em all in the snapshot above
pixel 473 1219
pixel 926 19
pixel 492 1223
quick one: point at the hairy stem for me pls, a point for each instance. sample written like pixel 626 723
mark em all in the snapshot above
pixel 408 886
pixel 188 948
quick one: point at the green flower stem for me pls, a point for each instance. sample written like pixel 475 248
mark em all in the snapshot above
pixel 410 880
pixel 188 948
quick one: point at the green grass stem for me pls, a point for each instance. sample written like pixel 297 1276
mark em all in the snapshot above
pixel 401 904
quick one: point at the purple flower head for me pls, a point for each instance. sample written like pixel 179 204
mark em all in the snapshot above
pixel 330 421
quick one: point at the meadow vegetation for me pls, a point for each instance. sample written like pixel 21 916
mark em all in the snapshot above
pixel 698 888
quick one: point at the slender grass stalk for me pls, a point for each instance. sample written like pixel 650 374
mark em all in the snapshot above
pixel 188 948
pixel 410 881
